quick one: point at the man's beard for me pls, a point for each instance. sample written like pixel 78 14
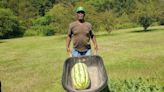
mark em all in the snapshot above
pixel 81 17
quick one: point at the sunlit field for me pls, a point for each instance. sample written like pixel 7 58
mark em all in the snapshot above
pixel 131 57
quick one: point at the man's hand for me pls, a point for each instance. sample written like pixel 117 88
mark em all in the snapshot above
pixel 95 50
pixel 69 52
pixel 95 45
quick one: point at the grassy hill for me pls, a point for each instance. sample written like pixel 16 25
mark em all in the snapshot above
pixel 131 57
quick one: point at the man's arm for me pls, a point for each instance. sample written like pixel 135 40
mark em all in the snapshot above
pixel 68 41
pixel 95 44
pixel 94 41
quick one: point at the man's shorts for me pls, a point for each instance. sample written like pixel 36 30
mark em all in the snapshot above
pixel 76 53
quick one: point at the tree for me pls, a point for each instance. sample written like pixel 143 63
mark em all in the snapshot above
pixel 144 14
pixel 62 15
pixel 100 5
pixel 108 21
pixel 145 21
pixel 159 11
pixel 123 6
pixel 9 25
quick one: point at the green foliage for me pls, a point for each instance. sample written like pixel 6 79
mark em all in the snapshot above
pixel 104 15
pixel 161 19
pixel 144 14
pixel 3 4
pixel 12 4
pixel 41 27
pixel 9 25
pixel 123 22
pixel 42 6
pixel 40 31
pixel 136 85
pixel 62 15
pixel 100 5
pixel 93 17
pixel 27 12
pixel 46 20
pixel 159 11
pixel 108 21
pixel 145 21
pixel 123 6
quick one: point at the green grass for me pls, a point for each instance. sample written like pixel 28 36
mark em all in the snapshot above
pixel 34 64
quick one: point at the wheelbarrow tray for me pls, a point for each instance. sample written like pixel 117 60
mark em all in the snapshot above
pixel 96 70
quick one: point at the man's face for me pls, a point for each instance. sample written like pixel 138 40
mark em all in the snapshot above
pixel 80 15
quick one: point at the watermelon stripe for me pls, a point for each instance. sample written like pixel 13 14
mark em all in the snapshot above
pixel 79 66
pixel 74 79
pixel 85 73
pixel 84 70
pixel 76 76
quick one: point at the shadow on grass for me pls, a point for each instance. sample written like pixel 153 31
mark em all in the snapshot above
pixel 1 42
pixel 0 86
pixel 62 38
pixel 107 34
pixel 142 31
pixel 102 35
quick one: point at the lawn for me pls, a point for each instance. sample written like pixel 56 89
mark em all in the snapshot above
pixel 34 64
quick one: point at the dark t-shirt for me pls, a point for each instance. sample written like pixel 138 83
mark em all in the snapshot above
pixel 81 33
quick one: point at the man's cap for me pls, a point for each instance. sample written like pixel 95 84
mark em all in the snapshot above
pixel 80 8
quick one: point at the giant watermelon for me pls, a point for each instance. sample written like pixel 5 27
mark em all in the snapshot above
pixel 80 76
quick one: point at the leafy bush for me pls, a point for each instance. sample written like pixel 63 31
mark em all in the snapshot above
pixel 40 31
pixel 161 18
pixel 161 21
pixel 46 20
pixel 144 14
pixel 9 25
pixel 136 85
pixel 125 25
pixel 123 22
pixel 145 21
pixel 62 15
pixel 93 17
pixel 41 26
pixel 108 20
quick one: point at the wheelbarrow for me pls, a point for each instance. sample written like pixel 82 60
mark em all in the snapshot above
pixel 96 70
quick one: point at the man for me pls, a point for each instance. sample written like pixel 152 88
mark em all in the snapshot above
pixel 81 32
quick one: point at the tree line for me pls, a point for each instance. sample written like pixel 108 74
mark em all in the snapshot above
pixel 49 17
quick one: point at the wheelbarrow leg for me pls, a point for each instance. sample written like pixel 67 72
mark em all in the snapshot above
pixel 106 89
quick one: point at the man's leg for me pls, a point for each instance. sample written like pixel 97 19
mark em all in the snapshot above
pixel 75 53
